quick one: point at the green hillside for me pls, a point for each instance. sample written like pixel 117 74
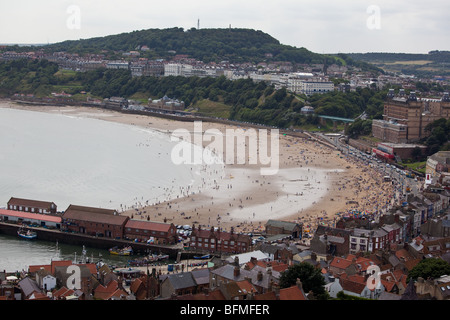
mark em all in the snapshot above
pixel 433 63
pixel 235 45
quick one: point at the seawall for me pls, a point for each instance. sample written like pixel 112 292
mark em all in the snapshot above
pixel 89 241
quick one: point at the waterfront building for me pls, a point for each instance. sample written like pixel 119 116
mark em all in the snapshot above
pixel 157 232
pixel 166 103
pixel 94 221
pixel 34 206
pixel 21 217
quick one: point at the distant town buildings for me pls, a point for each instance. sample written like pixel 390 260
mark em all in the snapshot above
pixel 166 103
pixel 406 116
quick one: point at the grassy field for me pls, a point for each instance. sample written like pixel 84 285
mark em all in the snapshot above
pixel 411 62
pixel 417 166
pixel 213 109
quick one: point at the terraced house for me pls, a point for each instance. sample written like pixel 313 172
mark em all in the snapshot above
pixel 216 240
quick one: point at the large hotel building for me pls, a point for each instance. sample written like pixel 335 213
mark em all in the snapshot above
pixel 406 116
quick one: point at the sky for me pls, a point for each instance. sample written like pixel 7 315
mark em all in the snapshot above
pixel 333 26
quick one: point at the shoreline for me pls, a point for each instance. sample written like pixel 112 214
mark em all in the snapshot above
pixel 313 183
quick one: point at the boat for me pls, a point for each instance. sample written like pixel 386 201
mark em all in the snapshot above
pixel 149 259
pixel 27 234
pixel 206 256
pixel 126 251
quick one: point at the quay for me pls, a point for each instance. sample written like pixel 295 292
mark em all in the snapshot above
pixel 92 241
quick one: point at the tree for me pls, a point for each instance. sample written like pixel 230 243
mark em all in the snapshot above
pixel 429 268
pixel 311 278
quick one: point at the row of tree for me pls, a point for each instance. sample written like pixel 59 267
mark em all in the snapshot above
pixel 250 101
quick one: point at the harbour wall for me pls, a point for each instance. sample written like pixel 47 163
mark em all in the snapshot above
pixel 89 241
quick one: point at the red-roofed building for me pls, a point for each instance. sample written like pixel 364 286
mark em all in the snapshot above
pixel 94 221
pixel 49 267
pixel 292 293
pixel 106 292
pixel 62 293
pixel 33 206
pixel 161 233
pixel 211 240
pixel 341 265
pixel 22 217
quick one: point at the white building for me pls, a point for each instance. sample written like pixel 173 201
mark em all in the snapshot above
pixel 118 65
pixel 172 69
pixel 312 87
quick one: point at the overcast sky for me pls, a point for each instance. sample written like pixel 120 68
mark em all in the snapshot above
pixel 333 26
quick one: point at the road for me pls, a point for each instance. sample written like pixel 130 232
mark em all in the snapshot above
pixel 397 175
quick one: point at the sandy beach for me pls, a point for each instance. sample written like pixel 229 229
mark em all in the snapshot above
pixel 312 185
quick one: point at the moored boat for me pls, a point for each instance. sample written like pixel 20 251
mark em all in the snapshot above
pixel 149 259
pixel 27 234
pixel 126 251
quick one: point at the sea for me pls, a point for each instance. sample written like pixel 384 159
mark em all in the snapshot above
pixel 89 162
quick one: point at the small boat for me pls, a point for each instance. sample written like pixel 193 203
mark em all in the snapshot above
pixel 206 256
pixel 126 251
pixel 149 259
pixel 26 234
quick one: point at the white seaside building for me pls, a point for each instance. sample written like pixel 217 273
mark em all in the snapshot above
pixel 312 87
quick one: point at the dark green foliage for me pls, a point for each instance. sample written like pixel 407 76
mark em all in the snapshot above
pixel 429 268
pixel 311 278
pixel 342 296
pixel 250 101
pixel 438 139
pixel 235 45
pixel 32 76
pixel 358 128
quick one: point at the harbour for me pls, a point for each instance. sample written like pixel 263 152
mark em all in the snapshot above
pixel 18 254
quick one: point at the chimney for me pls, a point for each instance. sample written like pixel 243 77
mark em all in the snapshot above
pixel 299 284
pixel 236 271
pixel 259 277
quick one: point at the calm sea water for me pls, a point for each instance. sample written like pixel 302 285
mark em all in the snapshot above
pixel 89 162
pixel 84 161
pixel 18 254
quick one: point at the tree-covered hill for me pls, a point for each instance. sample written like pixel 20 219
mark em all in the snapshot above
pixel 235 45
pixel 433 63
